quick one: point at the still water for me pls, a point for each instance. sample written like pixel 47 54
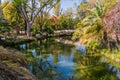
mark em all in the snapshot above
pixel 50 60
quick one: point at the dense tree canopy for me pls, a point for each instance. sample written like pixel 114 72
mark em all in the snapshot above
pixel 30 10
pixel 92 30
pixel 111 20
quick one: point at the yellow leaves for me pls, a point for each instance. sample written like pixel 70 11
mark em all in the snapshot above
pixel 10 13
pixel 109 3
pixel 83 6
pixel 7 12
pixel 88 38
pixel 9 5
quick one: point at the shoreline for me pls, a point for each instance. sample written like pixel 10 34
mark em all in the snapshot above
pixel 13 66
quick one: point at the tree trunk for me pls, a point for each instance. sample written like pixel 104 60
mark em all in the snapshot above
pixel 25 27
pixel 117 39
pixel 105 39
pixel 28 29
pixel 0 9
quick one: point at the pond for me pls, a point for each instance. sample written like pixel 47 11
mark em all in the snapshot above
pixel 50 60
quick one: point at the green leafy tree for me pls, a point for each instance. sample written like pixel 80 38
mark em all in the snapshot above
pixel 43 23
pixel 15 19
pixel 82 10
pixel 4 25
pixel 30 10
pixel 89 29
pixel 64 22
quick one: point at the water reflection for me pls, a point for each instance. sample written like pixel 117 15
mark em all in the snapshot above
pixel 23 46
pixel 56 61
pixel 50 59
pixel 34 53
pixel 115 70
pixel 81 48
pixel 118 74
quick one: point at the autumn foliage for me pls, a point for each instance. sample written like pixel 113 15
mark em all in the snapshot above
pixel 111 20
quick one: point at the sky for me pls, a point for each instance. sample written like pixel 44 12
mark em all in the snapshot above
pixel 65 4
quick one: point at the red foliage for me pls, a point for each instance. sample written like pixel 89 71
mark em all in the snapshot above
pixel 56 19
pixel 112 19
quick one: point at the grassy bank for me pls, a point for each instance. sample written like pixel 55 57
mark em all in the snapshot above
pixel 13 66
pixel 114 55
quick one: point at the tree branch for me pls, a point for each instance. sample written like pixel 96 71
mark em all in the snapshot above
pixel 39 11
pixel 24 14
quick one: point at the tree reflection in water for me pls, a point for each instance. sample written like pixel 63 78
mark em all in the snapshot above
pixel 56 61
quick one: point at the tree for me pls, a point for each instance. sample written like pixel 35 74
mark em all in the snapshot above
pixel 89 29
pixel 62 22
pixel 15 19
pixel 42 23
pixel 69 12
pixel 92 31
pixel 0 9
pixel 112 24
pixel 82 9
pixel 42 19
pixel 4 26
pixel 30 10
pixel 107 3
pixel 57 8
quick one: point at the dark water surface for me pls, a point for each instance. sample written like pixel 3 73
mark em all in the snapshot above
pixel 49 60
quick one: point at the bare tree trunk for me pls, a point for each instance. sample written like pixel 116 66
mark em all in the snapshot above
pixel 25 27
pixel 28 29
